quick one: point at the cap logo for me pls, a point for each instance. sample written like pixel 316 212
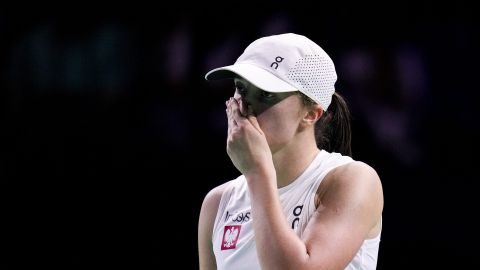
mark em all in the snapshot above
pixel 278 59
pixel 284 62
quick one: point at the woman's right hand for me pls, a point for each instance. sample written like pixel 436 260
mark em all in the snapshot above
pixel 247 145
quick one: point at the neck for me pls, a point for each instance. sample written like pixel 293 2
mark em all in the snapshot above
pixel 290 163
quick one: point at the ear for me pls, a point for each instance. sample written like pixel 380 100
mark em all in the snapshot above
pixel 312 114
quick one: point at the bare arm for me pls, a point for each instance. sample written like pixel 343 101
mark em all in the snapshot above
pixel 350 206
pixel 205 228
pixel 351 202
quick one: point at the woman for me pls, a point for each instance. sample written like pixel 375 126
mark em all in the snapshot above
pixel 301 201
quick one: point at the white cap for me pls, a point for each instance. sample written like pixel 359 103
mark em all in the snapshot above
pixel 284 63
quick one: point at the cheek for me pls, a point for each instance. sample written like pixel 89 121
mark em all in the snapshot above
pixel 279 127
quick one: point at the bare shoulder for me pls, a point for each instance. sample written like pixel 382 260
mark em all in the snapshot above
pixel 210 204
pixel 212 199
pixel 355 184
pixel 206 222
pixel 208 213
pixel 349 207
pixel 355 174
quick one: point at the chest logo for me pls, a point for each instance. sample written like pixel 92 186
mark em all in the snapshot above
pixel 297 211
pixel 230 236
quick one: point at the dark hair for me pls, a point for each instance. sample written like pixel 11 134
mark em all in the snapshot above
pixel 333 132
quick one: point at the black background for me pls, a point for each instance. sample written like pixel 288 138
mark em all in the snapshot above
pixel 110 137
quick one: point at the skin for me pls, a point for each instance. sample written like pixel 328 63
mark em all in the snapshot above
pixel 271 142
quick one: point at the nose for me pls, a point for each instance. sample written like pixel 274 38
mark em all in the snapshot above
pixel 237 96
pixel 245 98
pixel 242 97
pixel 245 107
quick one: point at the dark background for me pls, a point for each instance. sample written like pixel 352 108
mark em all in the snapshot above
pixel 110 137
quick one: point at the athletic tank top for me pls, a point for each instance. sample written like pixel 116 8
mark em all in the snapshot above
pixel 233 236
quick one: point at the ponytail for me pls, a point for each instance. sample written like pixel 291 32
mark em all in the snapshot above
pixel 333 131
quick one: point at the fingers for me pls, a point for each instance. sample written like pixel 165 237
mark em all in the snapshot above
pixel 238 113
pixel 233 110
pixel 236 110
pixel 231 121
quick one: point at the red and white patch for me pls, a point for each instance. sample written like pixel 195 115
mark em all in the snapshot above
pixel 230 237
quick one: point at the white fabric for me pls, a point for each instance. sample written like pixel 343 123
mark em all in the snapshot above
pixel 233 236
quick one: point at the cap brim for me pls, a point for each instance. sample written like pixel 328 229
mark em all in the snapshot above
pixel 255 75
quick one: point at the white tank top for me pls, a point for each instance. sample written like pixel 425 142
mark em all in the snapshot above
pixel 233 237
